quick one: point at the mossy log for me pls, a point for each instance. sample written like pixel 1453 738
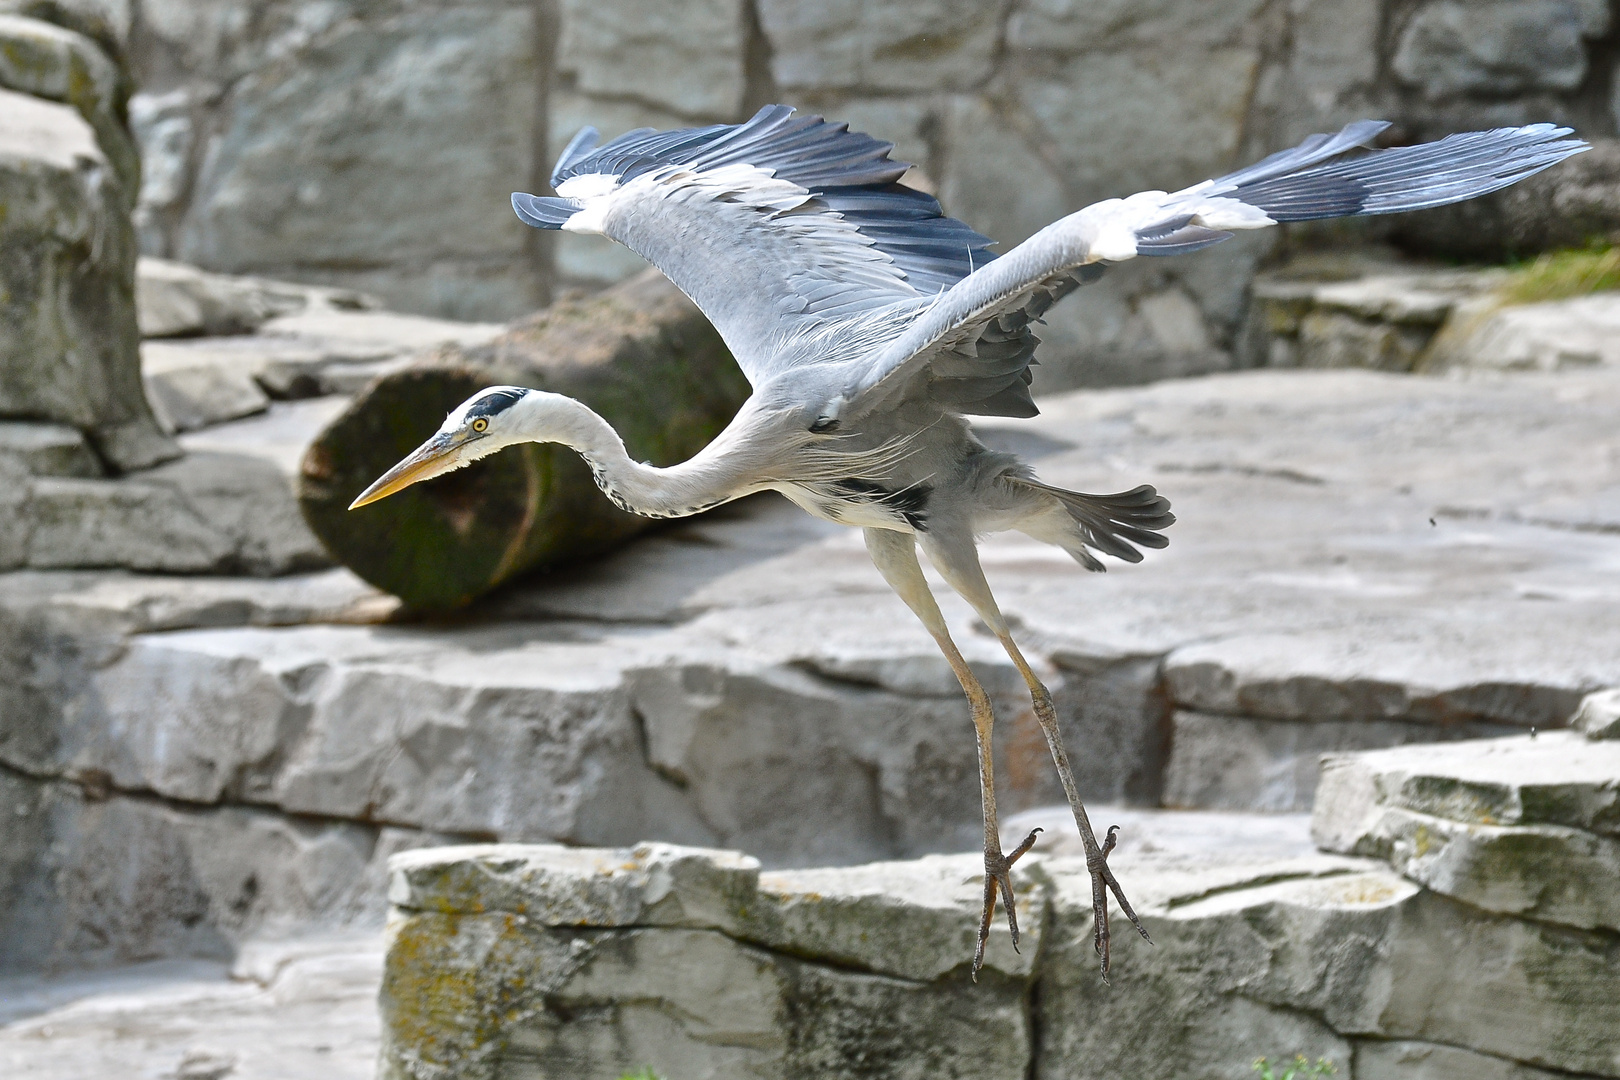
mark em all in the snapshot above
pixel 641 354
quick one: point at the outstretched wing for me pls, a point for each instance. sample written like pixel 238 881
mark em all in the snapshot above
pixel 1323 177
pixel 781 228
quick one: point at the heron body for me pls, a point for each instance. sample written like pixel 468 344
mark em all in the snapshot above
pixel 871 326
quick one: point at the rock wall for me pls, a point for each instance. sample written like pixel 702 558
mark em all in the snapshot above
pixel 372 143
pixel 1473 937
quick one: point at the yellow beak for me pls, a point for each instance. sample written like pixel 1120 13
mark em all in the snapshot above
pixel 438 455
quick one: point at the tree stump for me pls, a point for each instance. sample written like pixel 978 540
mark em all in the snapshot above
pixel 640 354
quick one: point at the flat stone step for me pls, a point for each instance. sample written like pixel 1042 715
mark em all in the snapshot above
pixel 1527 826
pixel 286 1010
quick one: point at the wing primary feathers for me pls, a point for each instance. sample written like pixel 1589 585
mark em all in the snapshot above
pixel 583 142
pixel 1402 178
pixel 542 211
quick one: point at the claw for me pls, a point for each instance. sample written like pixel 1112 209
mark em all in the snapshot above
pixel 1103 882
pixel 998 877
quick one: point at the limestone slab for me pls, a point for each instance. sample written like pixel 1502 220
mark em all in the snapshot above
pixel 534 733
pixel 120 880
pixel 188 392
pixel 1317 678
pixel 1599 715
pixel 176 300
pixel 1305 964
pixel 1537 337
pixel 1546 872
pixel 1557 779
pixel 128 603
pixel 42 449
pixel 356 336
pixel 204 513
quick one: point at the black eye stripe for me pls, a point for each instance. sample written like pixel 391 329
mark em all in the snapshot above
pixel 495 402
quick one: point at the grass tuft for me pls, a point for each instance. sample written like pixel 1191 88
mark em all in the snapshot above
pixel 1298 1069
pixel 1559 275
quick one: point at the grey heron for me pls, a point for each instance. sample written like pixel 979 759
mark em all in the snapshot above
pixel 870 325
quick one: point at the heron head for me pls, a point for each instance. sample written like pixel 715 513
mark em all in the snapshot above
pixel 476 428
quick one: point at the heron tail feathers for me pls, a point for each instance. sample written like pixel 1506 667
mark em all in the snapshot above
pixel 1116 524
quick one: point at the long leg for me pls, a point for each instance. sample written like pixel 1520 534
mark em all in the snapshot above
pixel 957 560
pixel 895 554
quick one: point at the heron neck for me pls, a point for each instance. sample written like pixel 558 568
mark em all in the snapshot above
pixel 677 491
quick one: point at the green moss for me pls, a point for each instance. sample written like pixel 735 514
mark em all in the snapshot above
pixel 1297 1069
pixel 1559 275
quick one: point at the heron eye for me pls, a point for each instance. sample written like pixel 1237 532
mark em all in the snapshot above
pixel 480 425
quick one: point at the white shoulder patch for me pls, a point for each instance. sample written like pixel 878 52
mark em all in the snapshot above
pixel 587 186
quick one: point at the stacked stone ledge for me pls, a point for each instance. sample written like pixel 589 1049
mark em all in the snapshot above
pixel 69 347
pixel 1393 961
pixel 1524 826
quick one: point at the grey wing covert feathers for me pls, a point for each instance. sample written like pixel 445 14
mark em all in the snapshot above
pixel 795 237
pixel 846 291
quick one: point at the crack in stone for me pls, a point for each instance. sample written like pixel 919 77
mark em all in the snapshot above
pixel 1258 882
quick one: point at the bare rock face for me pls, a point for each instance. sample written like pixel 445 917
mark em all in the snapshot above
pixel 550 962
pixel 598 962
pixel 121 880
pixel 1498 46
pixel 68 339
pixel 424 113
pixel 1525 826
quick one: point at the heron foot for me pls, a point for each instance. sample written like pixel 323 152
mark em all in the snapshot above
pixel 998 878
pixel 1102 883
